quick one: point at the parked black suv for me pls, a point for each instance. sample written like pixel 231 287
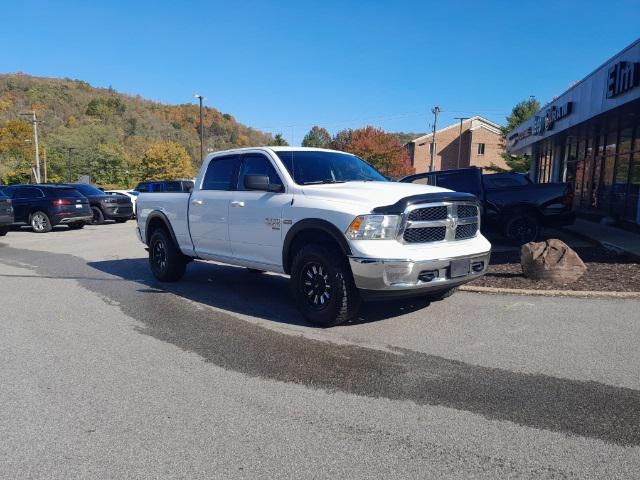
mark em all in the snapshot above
pixel 165 186
pixel 512 204
pixel 44 206
pixel 6 214
pixel 105 206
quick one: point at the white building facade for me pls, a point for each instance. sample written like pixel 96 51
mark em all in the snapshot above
pixel 589 136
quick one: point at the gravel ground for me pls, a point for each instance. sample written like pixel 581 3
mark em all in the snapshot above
pixel 606 271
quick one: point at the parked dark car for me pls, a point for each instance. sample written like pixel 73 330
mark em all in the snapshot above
pixel 6 214
pixel 165 186
pixel 43 206
pixel 105 206
pixel 512 204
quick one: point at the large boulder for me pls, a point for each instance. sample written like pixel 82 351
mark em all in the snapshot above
pixel 551 260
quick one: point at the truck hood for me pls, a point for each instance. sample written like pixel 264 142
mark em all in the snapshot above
pixel 368 195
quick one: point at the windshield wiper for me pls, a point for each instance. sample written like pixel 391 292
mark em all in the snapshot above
pixel 320 182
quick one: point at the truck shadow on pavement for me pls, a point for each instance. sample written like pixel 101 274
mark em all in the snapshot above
pixel 572 407
pixel 239 290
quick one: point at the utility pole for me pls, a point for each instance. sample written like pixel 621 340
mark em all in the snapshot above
pixel 44 160
pixel 201 98
pixel 69 150
pixel 460 139
pixel 435 110
pixel 34 122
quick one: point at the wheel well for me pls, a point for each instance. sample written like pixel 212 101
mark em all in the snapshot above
pixel 308 236
pixel 155 224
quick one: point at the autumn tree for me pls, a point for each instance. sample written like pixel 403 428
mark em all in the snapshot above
pixel 317 137
pixel 342 139
pixel 522 112
pixel 16 152
pixel 380 149
pixel 165 161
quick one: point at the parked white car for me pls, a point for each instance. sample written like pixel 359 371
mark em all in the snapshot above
pixel 341 230
pixel 132 194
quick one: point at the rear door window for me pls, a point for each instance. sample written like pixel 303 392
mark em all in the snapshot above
pixel 458 182
pixel 173 187
pixel 220 173
pixel 143 187
pixel 257 165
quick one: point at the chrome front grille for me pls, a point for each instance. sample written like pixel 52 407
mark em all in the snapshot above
pixel 447 221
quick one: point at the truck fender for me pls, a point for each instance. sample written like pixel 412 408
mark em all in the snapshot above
pixel 156 216
pixel 313 224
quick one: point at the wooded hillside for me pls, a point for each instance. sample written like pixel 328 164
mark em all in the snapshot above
pixel 100 132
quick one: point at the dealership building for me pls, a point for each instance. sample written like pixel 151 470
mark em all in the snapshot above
pixel 589 136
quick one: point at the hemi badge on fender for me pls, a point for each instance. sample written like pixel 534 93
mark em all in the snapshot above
pixel 287 222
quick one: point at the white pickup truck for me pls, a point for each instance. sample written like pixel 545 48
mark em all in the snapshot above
pixel 339 228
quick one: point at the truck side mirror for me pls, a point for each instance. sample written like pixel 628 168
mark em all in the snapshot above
pixel 261 183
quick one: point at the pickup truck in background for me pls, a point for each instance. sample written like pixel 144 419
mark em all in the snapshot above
pixel 340 229
pixel 511 203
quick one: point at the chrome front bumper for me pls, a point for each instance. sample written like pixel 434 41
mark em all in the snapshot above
pixel 401 275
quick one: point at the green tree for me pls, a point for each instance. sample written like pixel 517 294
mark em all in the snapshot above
pixel 342 139
pixel 166 161
pixel 522 112
pixel 317 137
pixel 279 141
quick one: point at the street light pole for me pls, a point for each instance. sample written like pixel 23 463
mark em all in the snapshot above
pixel 34 122
pixel 460 139
pixel 435 110
pixel 201 98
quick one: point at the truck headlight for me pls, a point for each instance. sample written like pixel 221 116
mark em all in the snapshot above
pixel 373 227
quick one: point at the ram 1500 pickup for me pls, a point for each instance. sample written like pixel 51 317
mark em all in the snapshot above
pixel 339 228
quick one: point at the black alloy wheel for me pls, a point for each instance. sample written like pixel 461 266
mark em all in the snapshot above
pixel 521 229
pixel 322 286
pixel 315 285
pixel 167 263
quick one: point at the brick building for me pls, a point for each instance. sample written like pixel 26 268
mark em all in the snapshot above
pixel 481 145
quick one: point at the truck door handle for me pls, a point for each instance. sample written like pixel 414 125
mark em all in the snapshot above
pixel 197 202
pixel 236 203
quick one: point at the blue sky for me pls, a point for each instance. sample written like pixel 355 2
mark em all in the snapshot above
pixel 283 66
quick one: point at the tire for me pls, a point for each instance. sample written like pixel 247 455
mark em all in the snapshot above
pixel 322 286
pixel 76 226
pixel 167 263
pixel 521 228
pixel 441 295
pixel 98 216
pixel 40 222
pixel 3 231
pixel 121 220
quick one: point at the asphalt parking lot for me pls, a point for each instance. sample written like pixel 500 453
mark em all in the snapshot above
pixel 106 373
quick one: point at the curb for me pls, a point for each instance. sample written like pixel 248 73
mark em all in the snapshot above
pixel 551 293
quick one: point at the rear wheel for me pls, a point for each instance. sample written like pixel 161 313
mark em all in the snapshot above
pixel 76 226
pixel 98 217
pixel 323 287
pixel 522 228
pixel 40 222
pixel 167 263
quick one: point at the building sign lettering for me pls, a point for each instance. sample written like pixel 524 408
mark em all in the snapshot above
pixel 622 77
pixel 546 122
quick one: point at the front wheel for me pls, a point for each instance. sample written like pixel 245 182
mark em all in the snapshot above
pixel 322 286
pixel 98 217
pixel 40 222
pixel 167 263
pixel 522 228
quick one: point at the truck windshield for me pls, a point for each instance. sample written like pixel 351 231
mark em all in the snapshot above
pixel 308 167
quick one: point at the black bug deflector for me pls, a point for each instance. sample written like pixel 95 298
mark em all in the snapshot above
pixel 401 205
